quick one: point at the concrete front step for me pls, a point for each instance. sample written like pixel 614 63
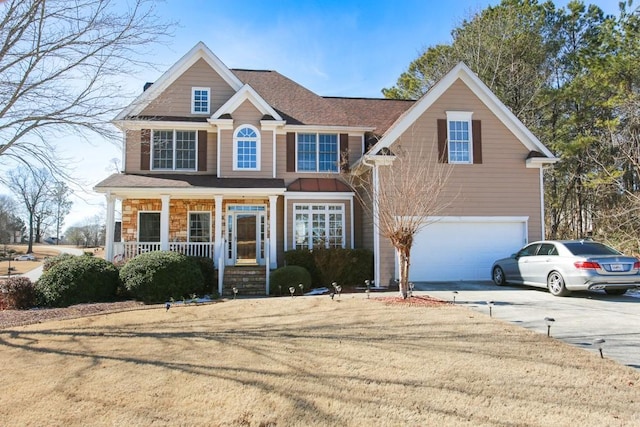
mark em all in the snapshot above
pixel 250 281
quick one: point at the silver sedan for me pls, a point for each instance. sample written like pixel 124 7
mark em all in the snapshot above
pixel 563 266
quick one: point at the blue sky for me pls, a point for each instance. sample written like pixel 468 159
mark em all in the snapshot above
pixel 334 48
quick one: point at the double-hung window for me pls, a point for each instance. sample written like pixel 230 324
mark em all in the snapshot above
pixel 200 100
pixel 317 152
pixel 199 226
pixel 246 152
pixel 319 226
pixel 174 150
pixel 459 135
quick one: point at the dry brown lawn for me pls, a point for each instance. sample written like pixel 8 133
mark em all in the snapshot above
pixel 305 361
pixel 19 267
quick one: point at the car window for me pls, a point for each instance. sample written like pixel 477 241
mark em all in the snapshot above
pixel 590 248
pixel 547 249
pixel 528 250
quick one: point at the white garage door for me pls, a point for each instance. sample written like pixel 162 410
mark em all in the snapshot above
pixel 456 248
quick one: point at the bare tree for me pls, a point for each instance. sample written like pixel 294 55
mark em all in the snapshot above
pixel 31 187
pixel 61 205
pixel 60 61
pixel 10 222
pixel 409 193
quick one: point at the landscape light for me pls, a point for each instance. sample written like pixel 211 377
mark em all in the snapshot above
pixel 235 292
pixel 454 296
pixel 599 343
pixel 292 290
pixel 490 304
pixel 549 321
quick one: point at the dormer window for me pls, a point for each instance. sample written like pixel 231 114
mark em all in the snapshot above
pixel 246 148
pixel 200 100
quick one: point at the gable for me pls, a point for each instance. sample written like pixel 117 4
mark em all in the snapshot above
pixel 463 75
pixel 175 100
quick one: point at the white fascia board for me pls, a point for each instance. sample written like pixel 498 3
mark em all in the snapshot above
pixel 381 160
pixel 160 124
pixel 473 82
pixel 324 128
pixel 540 162
pixel 328 196
pixel 242 95
pixel 272 124
pixel 225 124
pixel 187 193
pixel 478 219
pixel 199 51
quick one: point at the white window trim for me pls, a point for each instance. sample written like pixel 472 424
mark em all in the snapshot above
pixel 189 225
pixel 235 148
pixel 173 161
pixel 138 228
pixel 460 116
pixel 342 210
pixel 337 171
pixel 193 95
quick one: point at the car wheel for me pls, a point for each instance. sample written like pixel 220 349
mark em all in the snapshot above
pixel 615 291
pixel 498 276
pixel 555 284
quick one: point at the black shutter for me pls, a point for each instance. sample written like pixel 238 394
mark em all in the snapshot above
pixel 443 147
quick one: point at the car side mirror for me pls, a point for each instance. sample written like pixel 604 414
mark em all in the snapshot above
pixel 514 256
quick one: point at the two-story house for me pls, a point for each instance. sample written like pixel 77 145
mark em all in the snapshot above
pixel 243 165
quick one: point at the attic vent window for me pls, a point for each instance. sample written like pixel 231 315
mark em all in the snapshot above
pixel 200 100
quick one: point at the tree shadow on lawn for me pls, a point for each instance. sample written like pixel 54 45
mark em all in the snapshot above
pixel 275 341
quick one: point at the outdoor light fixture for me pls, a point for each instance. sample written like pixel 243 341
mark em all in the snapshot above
pixel 301 286
pixel 455 293
pixel 235 292
pixel 411 285
pixel 599 343
pixel 549 321
pixel 292 290
pixel 367 283
pixel 490 304
pixel 167 306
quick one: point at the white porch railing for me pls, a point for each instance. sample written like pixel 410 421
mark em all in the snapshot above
pixel 126 250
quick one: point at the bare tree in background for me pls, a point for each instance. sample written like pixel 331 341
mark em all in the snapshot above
pixel 31 187
pixel 409 193
pixel 60 61
pixel 61 205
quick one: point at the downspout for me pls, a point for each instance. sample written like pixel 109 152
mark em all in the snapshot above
pixel 376 232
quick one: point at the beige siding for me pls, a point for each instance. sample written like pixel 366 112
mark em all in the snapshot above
pixel 176 99
pixel 500 186
pixel 246 114
pixel 133 154
pixel 328 200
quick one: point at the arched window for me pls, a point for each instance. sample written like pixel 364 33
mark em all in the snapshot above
pixel 246 148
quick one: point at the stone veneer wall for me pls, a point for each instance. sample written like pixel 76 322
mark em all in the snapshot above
pixel 178 214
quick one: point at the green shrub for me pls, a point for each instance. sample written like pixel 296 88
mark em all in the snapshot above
pixel 78 279
pixel 18 293
pixel 304 258
pixel 88 253
pixel 208 274
pixel 349 267
pixel 281 279
pixel 161 275
pixel 50 262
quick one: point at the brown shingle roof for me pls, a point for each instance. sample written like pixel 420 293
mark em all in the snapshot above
pixel 319 185
pixel 299 105
pixel 186 181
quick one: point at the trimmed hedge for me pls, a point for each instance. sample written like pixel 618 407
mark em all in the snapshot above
pixel 50 262
pixel 78 279
pixel 349 267
pixel 281 279
pixel 208 274
pixel 161 275
pixel 17 293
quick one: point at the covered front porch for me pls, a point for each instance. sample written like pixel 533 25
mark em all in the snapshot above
pixel 233 226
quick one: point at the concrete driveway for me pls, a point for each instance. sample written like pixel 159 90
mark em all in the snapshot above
pixel 579 319
pixel 35 274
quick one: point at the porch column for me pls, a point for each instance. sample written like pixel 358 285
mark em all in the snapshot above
pixel 273 225
pixel 217 231
pixel 110 227
pixel 164 222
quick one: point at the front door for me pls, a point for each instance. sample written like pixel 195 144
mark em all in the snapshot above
pixel 246 238
pixel 245 228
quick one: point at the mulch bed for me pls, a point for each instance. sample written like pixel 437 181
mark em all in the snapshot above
pixel 415 301
pixel 11 318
